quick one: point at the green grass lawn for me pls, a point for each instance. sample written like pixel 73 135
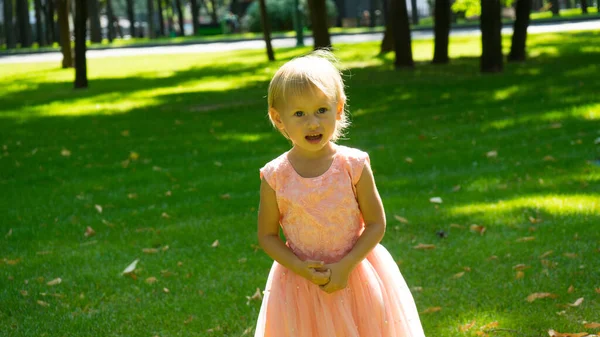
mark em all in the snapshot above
pixel 160 157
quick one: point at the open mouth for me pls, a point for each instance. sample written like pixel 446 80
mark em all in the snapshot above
pixel 316 138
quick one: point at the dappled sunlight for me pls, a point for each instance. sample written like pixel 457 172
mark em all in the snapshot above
pixel 555 204
pixel 587 112
pixel 244 137
pixel 506 93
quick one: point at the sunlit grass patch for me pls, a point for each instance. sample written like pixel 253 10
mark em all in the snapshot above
pixel 561 205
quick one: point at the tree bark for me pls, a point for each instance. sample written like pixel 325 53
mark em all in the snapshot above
pixel 414 12
pixel 519 37
pixel 11 42
pixel 180 17
pixel 151 28
pixel 401 34
pixel 341 9
pixel 39 23
pixel 491 38
pixel 264 20
pixel 161 19
pixel 80 33
pixel 131 17
pixel 387 44
pixel 555 7
pixel 111 21
pixel 23 23
pixel 442 31
pixel 318 18
pixel 94 17
pixel 584 6
pixel 50 24
pixel 62 8
pixel 213 12
pixel 372 15
pixel 195 14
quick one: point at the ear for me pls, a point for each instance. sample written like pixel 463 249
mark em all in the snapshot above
pixel 340 109
pixel 276 118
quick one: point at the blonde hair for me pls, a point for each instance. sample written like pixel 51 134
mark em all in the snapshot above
pixel 304 74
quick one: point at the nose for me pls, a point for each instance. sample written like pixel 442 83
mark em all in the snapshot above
pixel 312 122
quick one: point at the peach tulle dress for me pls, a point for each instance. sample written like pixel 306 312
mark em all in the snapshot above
pixel 321 220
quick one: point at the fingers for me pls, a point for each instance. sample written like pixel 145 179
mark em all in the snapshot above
pixel 314 264
pixel 320 278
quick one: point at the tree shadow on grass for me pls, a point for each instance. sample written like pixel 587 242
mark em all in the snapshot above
pixel 194 156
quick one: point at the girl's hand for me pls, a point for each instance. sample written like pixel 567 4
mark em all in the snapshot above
pixel 314 271
pixel 338 279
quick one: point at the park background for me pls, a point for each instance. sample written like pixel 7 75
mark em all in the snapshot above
pixel 129 187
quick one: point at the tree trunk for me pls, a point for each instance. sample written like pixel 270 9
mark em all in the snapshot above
pixel 584 6
pixel 80 33
pixel 213 13
pixel 39 23
pixel 94 17
pixel 414 12
pixel 442 31
pixel 491 38
pixel 49 14
pixel 264 20
pixel 318 18
pixel 555 7
pixel 372 15
pixel 195 14
pixel 11 42
pixel 180 17
pixel 161 19
pixel 387 44
pixel 341 9
pixel 62 8
pixel 110 16
pixel 151 28
pixel 519 38
pixel 23 23
pixel 401 34
pixel 131 17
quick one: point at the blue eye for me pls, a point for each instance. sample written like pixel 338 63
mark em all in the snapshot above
pixel 322 110
pixel 298 113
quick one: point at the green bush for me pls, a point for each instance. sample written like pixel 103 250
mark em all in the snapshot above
pixel 470 8
pixel 280 14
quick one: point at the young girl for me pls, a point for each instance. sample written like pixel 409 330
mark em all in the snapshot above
pixel 331 278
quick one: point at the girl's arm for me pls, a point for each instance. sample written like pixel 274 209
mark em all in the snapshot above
pixel 271 243
pixel 373 214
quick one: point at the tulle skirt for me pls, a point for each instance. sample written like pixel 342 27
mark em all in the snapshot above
pixel 376 303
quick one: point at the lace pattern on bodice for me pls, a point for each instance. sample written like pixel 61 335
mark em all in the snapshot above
pixel 320 216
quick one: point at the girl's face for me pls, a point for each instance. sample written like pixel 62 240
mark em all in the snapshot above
pixel 309 120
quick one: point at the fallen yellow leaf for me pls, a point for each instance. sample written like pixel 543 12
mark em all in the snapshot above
pixel 151 280
pixel 466 327
pixel 401 219
pixel 215 244
pixel 521 266
pixel 65 153
pixel 536 296
pixel 256 296
pixel 431 310
pixel 576 303
pixel 453 225
pixel 134 155
pixel 478 228
pixel 570 255
pixel 592 325
pixel 424 246
pixel 571 289
pixel 150 250
pixel 458 275
pixel 519 275
pixel 546 254
pixel 43 304
pixel 526 238
pixel 89 231
pixel 490 325
pixel 553 333
pixel 54 282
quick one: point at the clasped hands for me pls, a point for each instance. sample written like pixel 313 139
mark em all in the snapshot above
pixel 329 277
